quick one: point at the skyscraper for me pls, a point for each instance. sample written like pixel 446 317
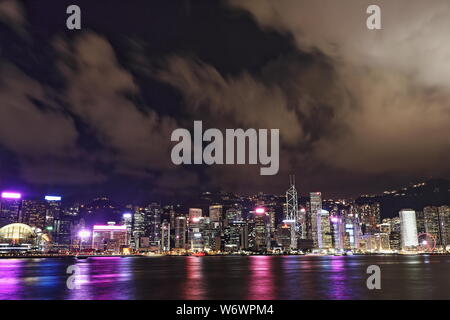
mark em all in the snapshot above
pixel 194 213
pixel 369 214
pixel 324 237
pixel 180 232
pixel 316 210
pixel 53 212
pixel 437 223
pixel 9 208
pixel 215 213
pixel 408 227
pixel 153 223
pixel 34 213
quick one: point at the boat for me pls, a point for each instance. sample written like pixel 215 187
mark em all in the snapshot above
pixel 198 254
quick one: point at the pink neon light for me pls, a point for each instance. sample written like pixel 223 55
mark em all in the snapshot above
pixel 260 210
pixel 106 228
pixel 11 195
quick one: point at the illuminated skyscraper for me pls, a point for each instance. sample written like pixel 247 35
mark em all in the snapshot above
pixel 437 223
pixel 53 212
pixel 153 223
pixel 316 210
pixel 110 238
pixel 34 213
pixel 165 236
pixel 324 237
pixel 261 229
pixel 369 214
pixel 195 213
pixel 180 232
pixel 9 208
pixel 292 214
pixel 215 213
pixel 408 228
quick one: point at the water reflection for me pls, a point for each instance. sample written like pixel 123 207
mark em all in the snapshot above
pixel 10 275
pixel 194 288
pixel 261 284
pixel 103 278
pixel 255 277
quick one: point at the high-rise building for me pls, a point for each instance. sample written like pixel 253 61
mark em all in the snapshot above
pixel 338 232
pixel 53 212
pixel 215 213
pixel 437 223
pixel 261 229
pixel 33 213
pixel 324 237
pixel 10 208
pixel 194 213
pixel 110 238
pixel 408 228
pixel 369 215
pixel 165 236
pixel 153 223
pixel 316 210
pixel 138 227
pixel 180 232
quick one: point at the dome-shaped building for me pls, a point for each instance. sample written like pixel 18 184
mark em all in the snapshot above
pixel 21 237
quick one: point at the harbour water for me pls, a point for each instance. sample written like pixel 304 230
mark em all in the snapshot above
pixel 226 277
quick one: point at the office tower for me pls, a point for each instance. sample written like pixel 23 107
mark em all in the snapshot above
pixel 215 213
pixel 196 228
pixel 324 237
pixel 436 220
pixel 261 229
pixel 316 209
pixel 292 213
pixel 444 219
pixel 153 224
pixel 53 212
pixel 127 221
pixel 303 223
pixel 195 213
pixel 138 227
pixel 62 231
pixel 233 214
pixel 420 219
pixel 352 229
pixel 10 208
pixel 395 242
pixel 234 236
pixel 180 232
pixel 165 236
pixel 369 215
pixel 33 213
pixel 110 238
pixel 338 232
pixel 408 228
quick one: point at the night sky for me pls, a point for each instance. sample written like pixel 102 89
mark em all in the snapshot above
pixel 90 112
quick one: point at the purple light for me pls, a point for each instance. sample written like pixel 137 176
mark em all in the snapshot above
pixel 109 228
pixel 335 219
pixel 260 210
pixel 127 215
pixel 83 234
pixel 11 195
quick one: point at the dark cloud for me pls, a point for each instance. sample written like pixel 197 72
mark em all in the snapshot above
pixel 356 109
